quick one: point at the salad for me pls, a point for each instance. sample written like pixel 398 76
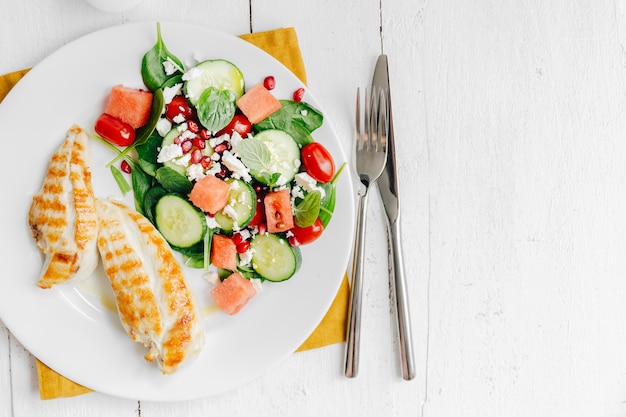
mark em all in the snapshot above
pixel 230 175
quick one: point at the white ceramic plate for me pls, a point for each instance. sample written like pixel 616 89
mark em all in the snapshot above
pixel 73 328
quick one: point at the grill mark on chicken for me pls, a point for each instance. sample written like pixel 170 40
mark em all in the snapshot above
pixel 62 215
pixel 154 304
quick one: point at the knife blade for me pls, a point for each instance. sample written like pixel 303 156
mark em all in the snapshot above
pixel 388 189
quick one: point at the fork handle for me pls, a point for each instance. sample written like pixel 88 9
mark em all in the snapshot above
pixel 356 294
pixel 399 291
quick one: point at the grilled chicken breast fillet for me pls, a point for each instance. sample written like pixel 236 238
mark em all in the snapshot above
pixel 153 301
pixel 63 216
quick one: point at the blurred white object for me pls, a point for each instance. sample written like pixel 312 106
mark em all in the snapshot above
pixel 114 5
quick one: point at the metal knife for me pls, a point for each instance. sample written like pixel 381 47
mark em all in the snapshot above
pixel 388 189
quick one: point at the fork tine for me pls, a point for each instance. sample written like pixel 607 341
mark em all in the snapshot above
pixel 358 119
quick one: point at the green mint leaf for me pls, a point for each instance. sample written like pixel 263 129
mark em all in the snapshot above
pixel 216 108
pixel 308 209
pixel 255 155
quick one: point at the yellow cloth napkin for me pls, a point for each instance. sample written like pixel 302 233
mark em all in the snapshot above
pixel 282 44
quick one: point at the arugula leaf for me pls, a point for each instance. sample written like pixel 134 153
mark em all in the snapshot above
pixel 216 108
pixel 120 180
pixel 308 209
pixel 152 69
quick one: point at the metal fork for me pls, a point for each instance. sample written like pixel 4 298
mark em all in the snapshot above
pixel 371 155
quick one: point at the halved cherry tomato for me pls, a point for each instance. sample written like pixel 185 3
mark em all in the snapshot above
pixel 318 162
pixel 114 130
pixel 305 235
pixel 239 124
pixel 179 107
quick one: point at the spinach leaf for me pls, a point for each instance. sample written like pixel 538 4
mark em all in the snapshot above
pixel 173 181
pixel 215 108
pixel 142 182
pixel 297 119
pixel 307 210
pixel 152 65
pixel 147 153
pixel 151 197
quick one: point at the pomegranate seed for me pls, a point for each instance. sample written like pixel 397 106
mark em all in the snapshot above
pixel 125 167
pixel 298 94
pixel 205 134
pixel 243 246
pixel 206 162
pixel 192 126
pixel 237 239
pixel 220 148
pixel 199 143
pixel 178 140
pixel 186 145
pixel 269 82
pixel 223 173
pixel 196 156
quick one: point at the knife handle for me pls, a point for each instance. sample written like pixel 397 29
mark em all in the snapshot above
pixel 356 294
pixel 399 291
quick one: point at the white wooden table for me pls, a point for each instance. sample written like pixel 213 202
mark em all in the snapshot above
pixel 511 131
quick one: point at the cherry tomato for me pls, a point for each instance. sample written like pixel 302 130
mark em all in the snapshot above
pixel 239 124
pixel 318 162
pixel 179 107
pixel 114 130
pixel 305 235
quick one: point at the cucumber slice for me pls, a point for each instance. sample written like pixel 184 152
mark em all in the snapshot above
pixel 217 73
pixel 180 223
pixel 242 203
pixel 273 257
pixel 284 157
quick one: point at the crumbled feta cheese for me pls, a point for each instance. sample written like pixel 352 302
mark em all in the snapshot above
pixel 245 234
pixel 304 112
pixel 170 92
pixel 235 140
pixel 237 167
pixel 296 191
pixel 183 161
pixel 281 180
pixel 195 172
pixel 257 284
pixel 192 73
pixel 308 183
pixel 211 276
pixel 245 258
pixel 215 168
pixel 169 152
pixel 187 134
pixel 215 156
pixel 230 212
pixel 296 163
pixel 216 141
pixel 163 126
pixel 211 223
pixel 182 127
pixel 169 66
pixel 179 118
